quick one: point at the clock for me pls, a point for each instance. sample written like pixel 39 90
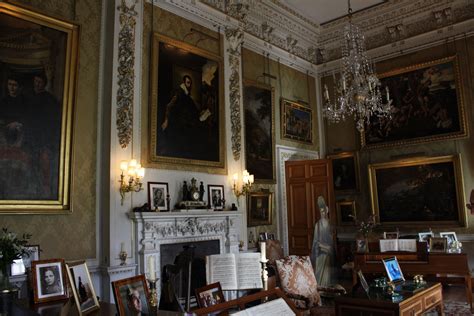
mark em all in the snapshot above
pixel 194 191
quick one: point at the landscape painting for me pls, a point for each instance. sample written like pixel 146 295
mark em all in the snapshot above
pixel 259 131
pixel 421 191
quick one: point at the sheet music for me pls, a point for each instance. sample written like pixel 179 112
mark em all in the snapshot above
pixel 272 308
pixel 249 271
pixel 407 245
pixel 388 245
pixel 221 268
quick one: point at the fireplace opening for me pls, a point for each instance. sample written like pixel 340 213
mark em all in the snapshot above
pixel 183 269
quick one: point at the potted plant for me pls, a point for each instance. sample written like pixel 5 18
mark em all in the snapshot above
pixel 11 248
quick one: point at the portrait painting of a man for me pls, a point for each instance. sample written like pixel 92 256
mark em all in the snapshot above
pixel 187 115
pixel 259 209
pixel 34 105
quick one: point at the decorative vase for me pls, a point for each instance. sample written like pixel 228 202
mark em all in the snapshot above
pixel 366 244
pixel 7 292
pixel 4 277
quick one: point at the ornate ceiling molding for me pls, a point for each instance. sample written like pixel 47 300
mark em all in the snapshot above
pixel 396 21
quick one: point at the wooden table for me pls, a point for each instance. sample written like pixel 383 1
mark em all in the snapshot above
pixel 437 264
pixel 377 304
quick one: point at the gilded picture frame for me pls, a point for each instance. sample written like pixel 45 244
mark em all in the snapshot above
pixel 259 208
pixel 187 108
pixel 427 101
pixel 425 191
pixel 297 122
pixel 82 287
pixel 346 173
pixel 346 212
pixel 259 127
pixel 37 89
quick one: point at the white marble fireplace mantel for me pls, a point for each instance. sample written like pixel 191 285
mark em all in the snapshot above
pixel 153 229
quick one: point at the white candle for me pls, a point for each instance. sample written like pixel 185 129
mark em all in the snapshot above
pixel 263 251
pixel 151 267
pixel 122 246
pixel 326 92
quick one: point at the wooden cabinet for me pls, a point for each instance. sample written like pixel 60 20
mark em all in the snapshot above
pixel 306 180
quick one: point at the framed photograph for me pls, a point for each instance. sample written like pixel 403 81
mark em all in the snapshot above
pixel 37 90
pixel 20 266
pixel 450 236
pixel 394 272
pixel 259 208
pixel 82 287
pixel 157 193
pixel 363 281
pixel 425 236
pixel 215 196
pixel 438 244
pixel 419 191
pixel 210 295
pixel 49 280
pixel 390 235
pixel 187 107
pixel 345 172
pixel 297 122
pixel 259 123
pixel 131 296
pixel 427 106
pixel 346 212
pixel 361 245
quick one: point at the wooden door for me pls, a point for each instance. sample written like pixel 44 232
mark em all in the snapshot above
pixel 306 180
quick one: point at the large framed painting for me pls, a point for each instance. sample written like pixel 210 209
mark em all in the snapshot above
pixel 297 122
pixel 345 172
pixel 420 191
pixel 259 131
pixel 37 79
pixel 427 106
pixel 187 107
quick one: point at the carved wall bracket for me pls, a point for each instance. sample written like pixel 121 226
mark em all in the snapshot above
pixel 126 75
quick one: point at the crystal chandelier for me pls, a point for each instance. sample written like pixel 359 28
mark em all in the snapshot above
pixel 358 91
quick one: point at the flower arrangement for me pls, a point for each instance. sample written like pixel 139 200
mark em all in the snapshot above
pixel 366 227
pixel 11 248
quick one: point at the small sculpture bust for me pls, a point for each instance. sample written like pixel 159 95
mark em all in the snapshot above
pixel 185 191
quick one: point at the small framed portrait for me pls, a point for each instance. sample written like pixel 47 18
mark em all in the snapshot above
pixel 425 236
pixel 393 269
pixel 361 245
pixel 82 288
pixel 450 236
pixel 390 235
pixel 49 281
pixel 215 196
pixel 346 212
pixel 438 244
pixel 157 194
pixel 259 208
pixel 210 295
pixel 20 266
pixel 363 281
pixel 131 296
pixel 345 172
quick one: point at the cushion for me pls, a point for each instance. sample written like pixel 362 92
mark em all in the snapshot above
pixel 297 277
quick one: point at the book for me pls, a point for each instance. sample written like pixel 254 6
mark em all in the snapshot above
pixel 235 271
pixel 272 308
pixel 398 245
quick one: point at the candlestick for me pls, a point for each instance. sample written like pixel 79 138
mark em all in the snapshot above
pixel 263 252
pixel 122 246
pixel 151 267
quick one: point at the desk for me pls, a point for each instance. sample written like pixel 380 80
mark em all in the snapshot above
pixel 411 264
pixel 430 297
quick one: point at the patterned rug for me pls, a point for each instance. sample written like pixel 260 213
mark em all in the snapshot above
pixel 454 308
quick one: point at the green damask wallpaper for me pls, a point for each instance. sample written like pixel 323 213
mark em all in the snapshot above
pixel 72 236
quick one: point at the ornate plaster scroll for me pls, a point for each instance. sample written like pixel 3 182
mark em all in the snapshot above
pixel 126 75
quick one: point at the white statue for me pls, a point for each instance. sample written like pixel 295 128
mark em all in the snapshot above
pixel 322 253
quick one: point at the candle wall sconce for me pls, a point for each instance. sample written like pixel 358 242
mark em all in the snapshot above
pixel 130 178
